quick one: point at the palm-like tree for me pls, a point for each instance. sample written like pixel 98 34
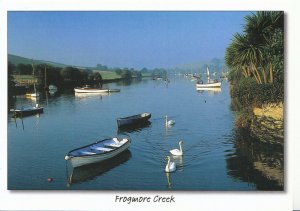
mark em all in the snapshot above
pixel 244 55
pixel 251 52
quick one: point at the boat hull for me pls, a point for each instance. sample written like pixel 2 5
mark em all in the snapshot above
pixel 80 90
pixel 134 120
pixel 209 85
pixel 27 112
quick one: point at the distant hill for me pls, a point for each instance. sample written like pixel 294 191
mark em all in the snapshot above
pixel 215 63
pixel 22 60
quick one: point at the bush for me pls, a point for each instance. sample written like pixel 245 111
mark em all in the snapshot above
pixel 247 92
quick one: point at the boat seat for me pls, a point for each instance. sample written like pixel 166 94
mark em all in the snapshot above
pixel 100 148
pixel 86 153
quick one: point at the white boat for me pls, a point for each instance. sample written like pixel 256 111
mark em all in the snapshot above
pixel 210 82
pixel 88 89
pixel 52 87
pixel 98 151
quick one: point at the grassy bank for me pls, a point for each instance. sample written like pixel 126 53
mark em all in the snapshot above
pixel 108 75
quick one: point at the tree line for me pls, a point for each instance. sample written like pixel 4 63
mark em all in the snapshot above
pixel 59 76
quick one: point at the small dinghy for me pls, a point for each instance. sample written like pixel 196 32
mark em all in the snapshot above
pixel 98 151
pixel 22 112
pixel 133 120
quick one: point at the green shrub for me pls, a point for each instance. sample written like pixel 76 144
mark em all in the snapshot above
pixel 247 93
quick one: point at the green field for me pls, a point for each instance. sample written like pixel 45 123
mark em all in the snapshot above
pixel 146 74
pixel 108 75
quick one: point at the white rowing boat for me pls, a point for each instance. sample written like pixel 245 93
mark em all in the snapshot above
pixel 98 151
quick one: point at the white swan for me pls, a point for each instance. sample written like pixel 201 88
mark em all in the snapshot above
pixel 177 152
pixel 169 122
pixel 171 166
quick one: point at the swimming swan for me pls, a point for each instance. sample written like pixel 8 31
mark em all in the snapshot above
pixel 170 122
pixel 171 166
pixel 177 152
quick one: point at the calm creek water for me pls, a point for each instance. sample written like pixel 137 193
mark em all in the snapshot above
pixel 216 156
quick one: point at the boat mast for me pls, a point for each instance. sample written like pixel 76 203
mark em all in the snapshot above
pixel 33 76
pixel 32 67
pixel 207 72
pixel 45 77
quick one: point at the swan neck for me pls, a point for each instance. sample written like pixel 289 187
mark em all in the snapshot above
pixel 168 164
pixel 180 147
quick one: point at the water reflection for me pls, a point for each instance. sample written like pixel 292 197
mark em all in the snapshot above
pixel 89 172
pixel 133 128
pixel 91 95
pixel 53 93
pixel 257 163
pixel 212 90
pixel 20 120
pixel 129 81
pixel 168 176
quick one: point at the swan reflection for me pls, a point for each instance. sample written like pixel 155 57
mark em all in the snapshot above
pixel 169 184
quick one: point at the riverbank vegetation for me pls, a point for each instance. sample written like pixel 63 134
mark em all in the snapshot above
pixel 256 61
pixel 26 72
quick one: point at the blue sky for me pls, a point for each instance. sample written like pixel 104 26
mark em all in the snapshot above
pixel 122 39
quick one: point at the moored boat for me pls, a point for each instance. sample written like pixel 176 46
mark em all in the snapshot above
pixel 208 85
pixel 210 82
pixel 88 89
pixel 98 151
pixel 132 120
pixel 52 89
pixel 22 112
